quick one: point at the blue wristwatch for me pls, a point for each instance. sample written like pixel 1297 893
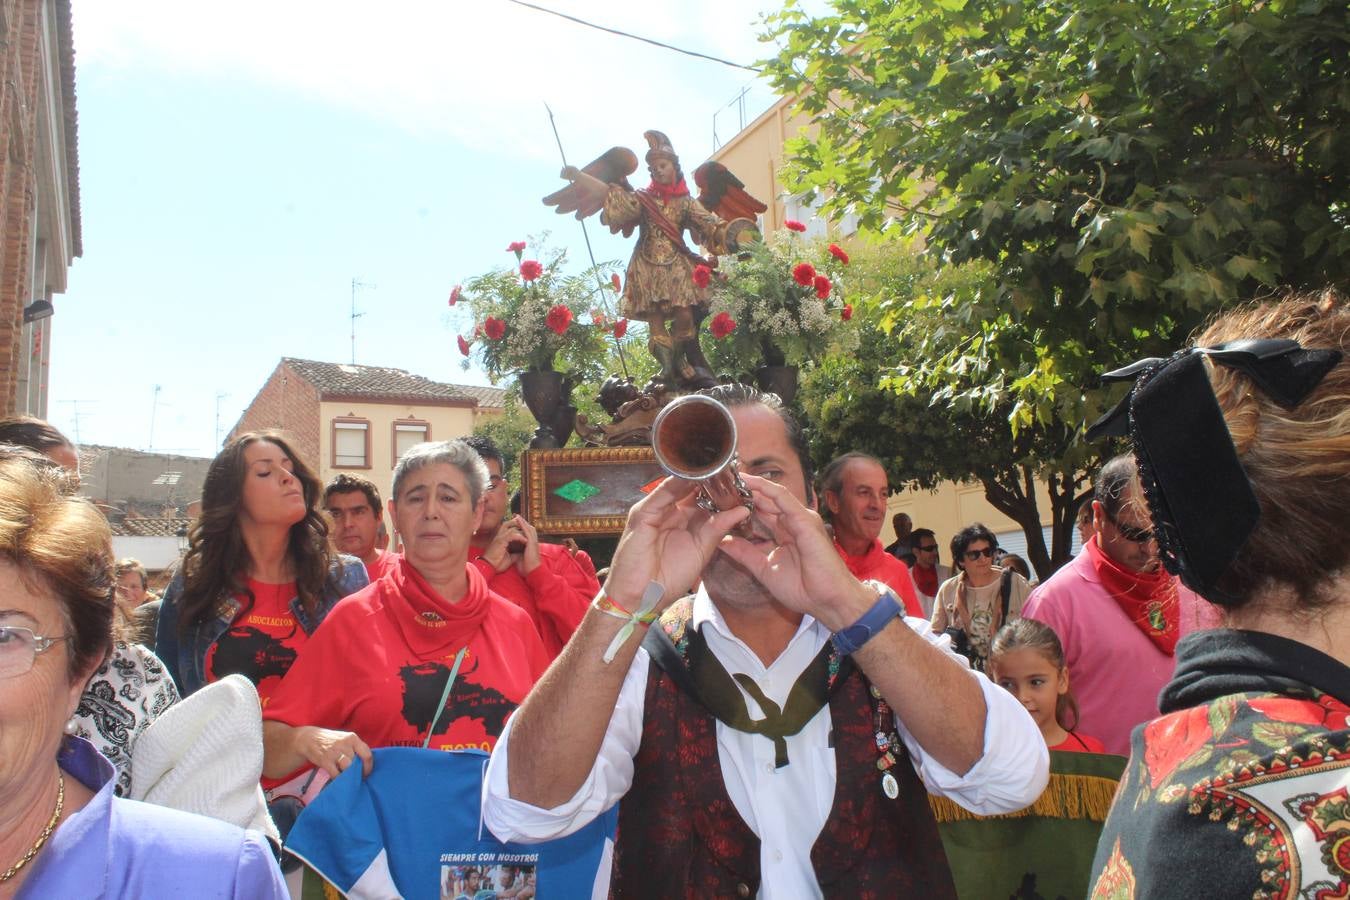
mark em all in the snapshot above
pixel 851 639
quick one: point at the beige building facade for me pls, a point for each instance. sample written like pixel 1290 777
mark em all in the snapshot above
pixel 367 438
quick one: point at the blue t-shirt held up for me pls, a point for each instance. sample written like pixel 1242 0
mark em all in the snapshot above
pixel 413 829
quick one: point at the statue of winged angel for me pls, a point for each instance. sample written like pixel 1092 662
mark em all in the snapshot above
pixel 664 283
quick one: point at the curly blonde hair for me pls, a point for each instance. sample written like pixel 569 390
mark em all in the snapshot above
pixel 1297 460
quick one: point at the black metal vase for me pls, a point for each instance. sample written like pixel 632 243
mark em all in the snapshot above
pixel 546 394
pixel 781 380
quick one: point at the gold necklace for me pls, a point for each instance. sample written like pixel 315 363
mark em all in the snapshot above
pixel 46 832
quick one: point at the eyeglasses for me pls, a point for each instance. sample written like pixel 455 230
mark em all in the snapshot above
pixel 496 482
pixel 972 555
pixel 1130 533
pixel 931 548
pixel 19 647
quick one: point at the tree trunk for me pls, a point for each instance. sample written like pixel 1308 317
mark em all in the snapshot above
pixel 1013 493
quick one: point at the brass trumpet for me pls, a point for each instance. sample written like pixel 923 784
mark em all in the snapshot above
pixel 694 438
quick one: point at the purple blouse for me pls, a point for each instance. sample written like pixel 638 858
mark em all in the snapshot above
pixel 124 848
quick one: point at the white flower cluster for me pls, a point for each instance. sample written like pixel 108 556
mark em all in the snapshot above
pixel 528 338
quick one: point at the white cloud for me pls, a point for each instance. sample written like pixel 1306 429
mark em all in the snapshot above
pixel 478 72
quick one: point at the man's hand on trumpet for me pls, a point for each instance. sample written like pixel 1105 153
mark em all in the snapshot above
pixel 668 540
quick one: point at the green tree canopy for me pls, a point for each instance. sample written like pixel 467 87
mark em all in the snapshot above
pixel 1126 168
pixel 922 439
pixel 1123 169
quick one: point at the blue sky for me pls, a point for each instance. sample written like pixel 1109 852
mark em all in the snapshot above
pixel 242 162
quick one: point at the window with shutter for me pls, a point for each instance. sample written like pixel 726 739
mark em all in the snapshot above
pixel 351 443
pixel 408 434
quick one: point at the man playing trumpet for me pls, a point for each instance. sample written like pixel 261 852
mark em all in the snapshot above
pixel 824 711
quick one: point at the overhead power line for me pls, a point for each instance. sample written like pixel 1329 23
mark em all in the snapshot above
pixel 635 37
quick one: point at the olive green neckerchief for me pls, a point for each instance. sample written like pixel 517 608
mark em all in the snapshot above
pixel 716 690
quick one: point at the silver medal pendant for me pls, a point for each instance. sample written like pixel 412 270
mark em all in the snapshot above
pixel 889 786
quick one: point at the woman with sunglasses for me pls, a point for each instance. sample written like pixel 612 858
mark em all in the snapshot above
pixel 973 605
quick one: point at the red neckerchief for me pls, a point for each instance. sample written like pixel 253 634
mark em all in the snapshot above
pixel 863 564
pixel 1149 599
pixel 429 623
pixel 926 580
pixel 668 192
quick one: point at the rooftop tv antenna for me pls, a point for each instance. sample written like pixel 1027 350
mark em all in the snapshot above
pixel 219 397
pixel 357 283
pixel 154 407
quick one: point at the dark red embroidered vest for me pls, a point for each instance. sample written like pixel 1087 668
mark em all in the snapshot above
pixel 680 834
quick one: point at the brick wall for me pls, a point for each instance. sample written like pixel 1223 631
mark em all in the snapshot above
pixel 289 404
pixel 18 132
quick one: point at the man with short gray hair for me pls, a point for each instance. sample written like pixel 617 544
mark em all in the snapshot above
pixel 855 490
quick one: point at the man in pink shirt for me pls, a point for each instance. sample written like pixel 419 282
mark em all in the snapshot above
pixel 1117 612
pixel 855 489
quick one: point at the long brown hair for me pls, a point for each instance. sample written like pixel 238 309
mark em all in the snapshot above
pixel 217 559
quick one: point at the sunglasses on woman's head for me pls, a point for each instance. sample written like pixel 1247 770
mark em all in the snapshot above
pixel 973 555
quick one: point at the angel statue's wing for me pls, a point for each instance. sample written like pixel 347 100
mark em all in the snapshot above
pixel 585 195
pixel 722 193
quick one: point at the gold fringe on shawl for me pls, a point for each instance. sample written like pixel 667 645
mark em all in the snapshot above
pixel 1065 797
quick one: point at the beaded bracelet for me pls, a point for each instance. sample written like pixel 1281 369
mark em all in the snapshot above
pixel 644 615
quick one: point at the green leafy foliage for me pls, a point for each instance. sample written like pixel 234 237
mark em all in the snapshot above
pixel 1120 171
pixel 1124 169
pixel 858 402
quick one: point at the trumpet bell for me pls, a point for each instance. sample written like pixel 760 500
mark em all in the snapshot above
pixel 694 437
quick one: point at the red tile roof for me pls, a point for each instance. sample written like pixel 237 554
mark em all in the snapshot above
pixel 381 383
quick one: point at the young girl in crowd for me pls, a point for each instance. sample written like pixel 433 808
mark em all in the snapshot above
pixel 1027 660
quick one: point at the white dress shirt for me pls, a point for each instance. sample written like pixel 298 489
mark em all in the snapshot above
pixel 786 808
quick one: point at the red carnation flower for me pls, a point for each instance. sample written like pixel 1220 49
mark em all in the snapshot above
pixel 494 328
pixel 804 274
pixel 722 325
pixel 847 312
pixel 620 328
pixel 838 253
pixel 558 318
pixel 614 280
pixel 515 247
pixel 822 285
pixel 463 345
pixel 702 275
pixel 530 269
pixel 794 225
pixel 454 294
